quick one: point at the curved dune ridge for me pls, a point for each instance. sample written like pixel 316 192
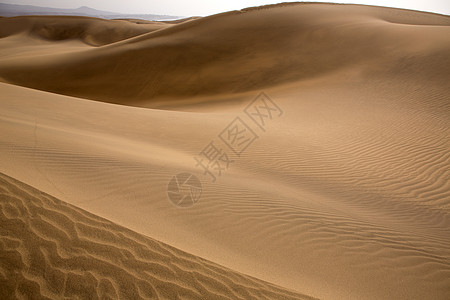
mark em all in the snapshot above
pixel 346 195
pixel 91 31
pixel 51 249
pixel 220 53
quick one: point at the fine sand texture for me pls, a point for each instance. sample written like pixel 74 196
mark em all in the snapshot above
pixel 342 193
pixel 52 249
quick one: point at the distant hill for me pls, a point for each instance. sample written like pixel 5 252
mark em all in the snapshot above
pixel 12 10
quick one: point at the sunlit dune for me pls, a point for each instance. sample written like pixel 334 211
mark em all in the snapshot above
pixel 342 192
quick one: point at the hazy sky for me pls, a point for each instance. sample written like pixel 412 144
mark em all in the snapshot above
pixel 208 7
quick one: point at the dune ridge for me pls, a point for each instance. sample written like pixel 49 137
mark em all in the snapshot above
pixel 52 249
pixel 343 195
pixel 191 58
pixel 91 31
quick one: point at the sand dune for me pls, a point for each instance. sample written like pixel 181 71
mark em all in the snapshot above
pixel 237 52
pixel 52 249
pixel 91 31
pixel 346 195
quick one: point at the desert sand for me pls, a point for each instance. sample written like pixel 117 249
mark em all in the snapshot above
pixel 344 194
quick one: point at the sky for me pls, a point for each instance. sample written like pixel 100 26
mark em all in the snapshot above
pixel 209 7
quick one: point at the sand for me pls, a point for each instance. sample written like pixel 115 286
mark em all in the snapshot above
pixel 89 257
pixel 343 195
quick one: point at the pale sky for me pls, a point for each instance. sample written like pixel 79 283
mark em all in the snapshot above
pixel 208 7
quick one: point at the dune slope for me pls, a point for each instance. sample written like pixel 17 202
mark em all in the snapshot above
pixel 51 249
pixel 91 31
pixel 346 195
pixel 237 52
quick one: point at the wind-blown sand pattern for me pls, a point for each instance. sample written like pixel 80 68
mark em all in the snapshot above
pixel 345 196
pixel 52 249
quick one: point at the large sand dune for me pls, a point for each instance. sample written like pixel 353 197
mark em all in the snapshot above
pixel 233 52
pixel 346 195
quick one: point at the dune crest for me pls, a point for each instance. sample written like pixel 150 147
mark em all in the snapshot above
pixel 91 31
pixel 52 249
pixel 234 52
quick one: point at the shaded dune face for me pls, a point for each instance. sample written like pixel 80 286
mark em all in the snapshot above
pixel 226 53
pixel 91 31
pixel 51 249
